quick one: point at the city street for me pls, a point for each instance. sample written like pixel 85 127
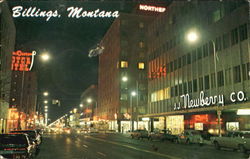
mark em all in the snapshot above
pixel 117 146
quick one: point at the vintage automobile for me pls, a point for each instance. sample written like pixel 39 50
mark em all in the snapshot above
pixel 163 135
pixel 190 136
pixel 33 136
pixel 140 134
pixel 236 140
pixel 16 145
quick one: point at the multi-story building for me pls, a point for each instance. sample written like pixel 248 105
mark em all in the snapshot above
pixel 122 69
pixel 24 98
pixel 7 43
pixel 88 106
pixel 203 85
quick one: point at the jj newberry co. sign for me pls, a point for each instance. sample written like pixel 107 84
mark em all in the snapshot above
pixel 203 101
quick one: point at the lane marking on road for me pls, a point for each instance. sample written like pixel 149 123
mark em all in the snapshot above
pixel 101 153
pixel 132 147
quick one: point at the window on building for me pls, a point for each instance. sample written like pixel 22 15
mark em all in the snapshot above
pixel 172 91
pixel 141 65
pixel 124 96
pixel 185 88
pixel 179 62
pixel 243 32
pixel 236 73
pixel 211 48
pixel 228 79
pixel 175 65
pixel 195 85
pixel 216 15
pixel 213 80
pixel 171 66
pixel 199 53
pixel 244 72
pixel 175 90
pixel 189 58
pixel 194 56
pixel 167 93
pixel 201 83
pixel 184 60
pixel 141 25
pixel 180 89
pixel 124 64
pixel 226 41
pixel 190 86
pixel 218 44
pixel 234 36
pixel 206 79
pixel 141 44
pixel 220 79
pixel 205 50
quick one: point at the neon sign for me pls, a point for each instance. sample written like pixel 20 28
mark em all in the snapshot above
pixel 152 8
pixel 22 61
pixel 160 72
pixel 203 101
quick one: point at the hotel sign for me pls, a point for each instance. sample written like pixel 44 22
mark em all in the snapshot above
pixel 152 8
pixel 22 61
pixel 203 101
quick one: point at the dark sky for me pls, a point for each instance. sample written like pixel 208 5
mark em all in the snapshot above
pixel 70 71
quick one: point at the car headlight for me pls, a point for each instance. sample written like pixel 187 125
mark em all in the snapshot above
pixel 1 157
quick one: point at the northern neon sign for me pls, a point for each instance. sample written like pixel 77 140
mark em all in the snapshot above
pixel 152 8
pixel 22 61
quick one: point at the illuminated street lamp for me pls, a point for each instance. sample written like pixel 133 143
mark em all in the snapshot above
pixel 89 100
pixel 46 107
pixel 124 78
pixel 81 105
pixel 192 36
pixel 45 93
pixel 46 102
pixel 45 56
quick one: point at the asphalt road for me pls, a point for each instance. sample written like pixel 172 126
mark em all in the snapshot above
pixel 118 146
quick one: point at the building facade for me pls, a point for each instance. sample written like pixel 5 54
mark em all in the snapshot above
pixel 203 85
pixel 122 70
pixel 7 42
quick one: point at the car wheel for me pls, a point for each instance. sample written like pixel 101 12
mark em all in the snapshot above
pixel 242 148
pixel 216 145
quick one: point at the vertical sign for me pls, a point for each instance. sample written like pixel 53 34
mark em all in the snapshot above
pixel 22 61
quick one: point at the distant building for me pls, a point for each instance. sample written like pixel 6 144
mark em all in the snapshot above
pixel 123 69
pixel 7 43
pixel 189 87
pixel 88 106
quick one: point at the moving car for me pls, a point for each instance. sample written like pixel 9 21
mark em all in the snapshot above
pixel 15 145
pixel 237 140
pixel 163 135
pixel 140 134
pixel 190 136
pixel 33 136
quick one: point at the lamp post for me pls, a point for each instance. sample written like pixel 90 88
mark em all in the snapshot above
pixel 133 93
pixel 90 100
pixel 192 36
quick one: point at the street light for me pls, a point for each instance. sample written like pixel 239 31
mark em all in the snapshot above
pixel 133 93
pixel 45 101
pixel 81 105
pixel 89 100
pixel 45 93
pixel 45 56
pixel 192 36
pixel 124 78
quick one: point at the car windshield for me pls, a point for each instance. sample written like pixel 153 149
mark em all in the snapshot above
pixel 13 139
pixel 32 134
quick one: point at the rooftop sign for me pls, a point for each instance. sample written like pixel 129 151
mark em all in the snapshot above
pixel 152 8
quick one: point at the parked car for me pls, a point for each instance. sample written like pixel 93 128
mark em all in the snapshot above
pixel 237 140
pixel 15 145
pixel 163 135
pixel 190 136
pixel 140 134
pixel 33 136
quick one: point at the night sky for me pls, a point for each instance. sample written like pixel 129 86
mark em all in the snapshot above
pixel 70 71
